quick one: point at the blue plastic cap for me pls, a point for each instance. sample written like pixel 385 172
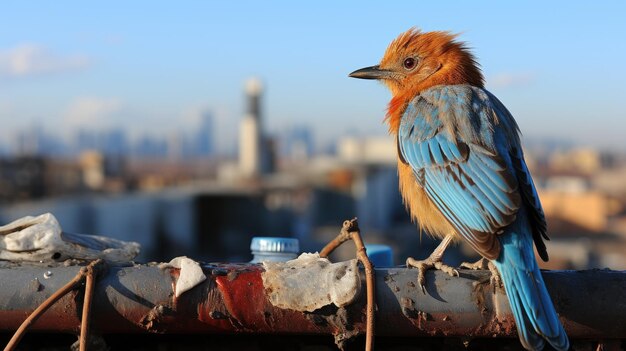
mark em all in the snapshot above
pixel 275 245
pixel 380 255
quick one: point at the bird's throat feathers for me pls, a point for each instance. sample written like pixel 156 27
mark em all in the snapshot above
pixel 443 61
pixel 395 109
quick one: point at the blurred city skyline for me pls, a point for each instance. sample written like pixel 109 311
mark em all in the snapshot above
pixel 155 69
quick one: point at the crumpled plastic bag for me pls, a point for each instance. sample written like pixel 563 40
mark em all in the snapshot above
pixel 41 239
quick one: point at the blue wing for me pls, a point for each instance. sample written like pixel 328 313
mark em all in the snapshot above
pixel 458 141
pixel 531 199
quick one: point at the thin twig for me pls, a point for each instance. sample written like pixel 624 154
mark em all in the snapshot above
pixel 92 272
pixel 371 290
pixel 19 333
pixel 351 231
pixel 344 235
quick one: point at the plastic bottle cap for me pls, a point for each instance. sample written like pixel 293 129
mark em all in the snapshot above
pixel 380 255
pixel 275 245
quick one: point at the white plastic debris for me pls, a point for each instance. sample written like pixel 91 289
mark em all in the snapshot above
pixel 40 239
pixel 190 274
pixel 311 282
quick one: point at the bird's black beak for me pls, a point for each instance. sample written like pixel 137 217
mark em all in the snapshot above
pixel 373 72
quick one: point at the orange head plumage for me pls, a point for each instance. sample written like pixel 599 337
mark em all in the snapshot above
pixel 416 61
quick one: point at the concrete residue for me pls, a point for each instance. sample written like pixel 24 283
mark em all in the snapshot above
pixel 311 282
pixel 190 274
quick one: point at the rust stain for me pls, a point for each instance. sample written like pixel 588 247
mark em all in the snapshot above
pixel 408 308
pixel 151 320
pixel 339 319
pixel 174 274
pixel 479 289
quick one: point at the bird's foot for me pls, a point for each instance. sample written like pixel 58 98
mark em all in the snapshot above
pixel 429 263
pixel 484 264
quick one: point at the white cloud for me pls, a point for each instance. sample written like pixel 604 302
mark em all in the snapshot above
pixel 91 111
pixel 508 80
pixel 31 59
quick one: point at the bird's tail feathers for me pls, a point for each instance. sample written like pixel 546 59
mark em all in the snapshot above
pixel 534 313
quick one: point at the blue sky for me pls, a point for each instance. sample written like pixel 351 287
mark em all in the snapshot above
pixel 152 66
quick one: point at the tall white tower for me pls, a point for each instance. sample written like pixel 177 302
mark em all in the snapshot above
pixel 250 131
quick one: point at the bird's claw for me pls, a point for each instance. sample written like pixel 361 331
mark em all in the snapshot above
pixel 495 280
pixel 484 264
pixel 429 263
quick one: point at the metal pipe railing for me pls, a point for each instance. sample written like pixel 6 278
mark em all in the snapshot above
pixel 591 304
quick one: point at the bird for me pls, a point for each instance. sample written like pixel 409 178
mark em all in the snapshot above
pixel 462 173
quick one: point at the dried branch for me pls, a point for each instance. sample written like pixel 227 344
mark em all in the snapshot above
pixel 93 270
pixel 350 231
pixel 85 272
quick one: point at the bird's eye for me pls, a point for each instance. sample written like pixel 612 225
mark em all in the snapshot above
pixel 409 63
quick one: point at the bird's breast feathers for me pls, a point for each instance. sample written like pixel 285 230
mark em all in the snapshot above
pixel 420 206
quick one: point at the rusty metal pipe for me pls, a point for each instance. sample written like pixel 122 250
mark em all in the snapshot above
pixel 139 299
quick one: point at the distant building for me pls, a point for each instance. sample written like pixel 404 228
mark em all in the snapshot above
pixel 175 146
pixel 151 147
pixel 249 147
pixel 580 160
pixel 34 141
pixel 297 144
pixel 567 184
pixel 255 157
pixel 576 211
pixel 204 145
pixel 27 143
pixel 114 142
pixel 368 150
pixel 85 140
pixel 22 178
pixel 92 165
pixel 611 181
pixel 102 172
